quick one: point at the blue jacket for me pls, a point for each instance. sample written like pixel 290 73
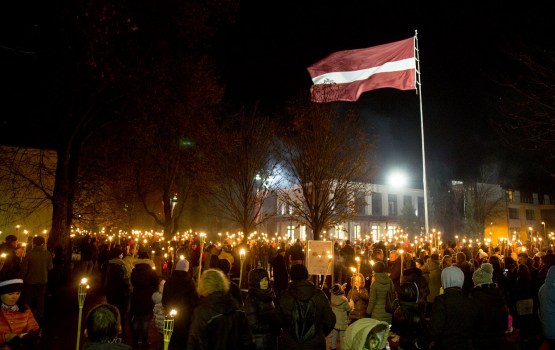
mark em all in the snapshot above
pixel 547 304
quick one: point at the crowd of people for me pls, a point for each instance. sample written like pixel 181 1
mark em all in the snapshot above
pixel 458 298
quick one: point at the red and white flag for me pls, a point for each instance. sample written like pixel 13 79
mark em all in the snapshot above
pixel 344 75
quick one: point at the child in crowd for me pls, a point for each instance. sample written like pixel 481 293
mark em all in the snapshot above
pixel 159 313
pixel 103 329
pixel 341 308
pixel 18 327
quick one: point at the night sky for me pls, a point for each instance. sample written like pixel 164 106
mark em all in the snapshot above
pixel 464 47
pixel 464 50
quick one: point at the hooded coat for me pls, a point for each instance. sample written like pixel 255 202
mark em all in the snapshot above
pixel 493 312
pixel 304 290
pixel 219 323
pixel 340 307
pixel 414 275
pixel 180 294
pixel 378 293
pixel 260 310
pixel 547 304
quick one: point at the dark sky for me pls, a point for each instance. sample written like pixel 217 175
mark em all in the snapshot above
pixel 464 49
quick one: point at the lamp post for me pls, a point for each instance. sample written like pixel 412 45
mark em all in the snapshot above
pixel 81 295
pixel 168 328
pixel 242 259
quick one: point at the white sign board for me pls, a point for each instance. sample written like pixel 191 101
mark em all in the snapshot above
pixel 317 257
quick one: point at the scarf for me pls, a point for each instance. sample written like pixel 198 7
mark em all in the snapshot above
pixel 12 308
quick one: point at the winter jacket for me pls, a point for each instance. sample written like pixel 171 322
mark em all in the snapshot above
pixel 453 322
pixel 378 292
pixel 17 322
pixel 304 290
pixel 180 294
pixel 547 304
pixel 493 312
pixel 281 278
pixel 145 282
pixel 219 323
pixel 36 265
pixel 117 284
pixel 360 297
pixel 260 310
pixel 414 275
pixel 408 322
pixel 340 307
pixel 468 270
pixel 434 282
pixel 395 273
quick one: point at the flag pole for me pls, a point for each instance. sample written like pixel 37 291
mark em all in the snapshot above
pixel 419 92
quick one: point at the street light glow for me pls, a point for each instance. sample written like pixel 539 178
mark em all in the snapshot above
pixel 397 179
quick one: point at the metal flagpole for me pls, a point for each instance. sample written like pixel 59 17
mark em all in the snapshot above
pixel 419 92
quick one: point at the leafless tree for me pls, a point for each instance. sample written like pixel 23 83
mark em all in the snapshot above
pixel 528 105
pixel 326 156
pixel 246 171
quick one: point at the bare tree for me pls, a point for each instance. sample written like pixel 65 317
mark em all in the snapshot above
pixel 528 106
pixel 481 202
pixel 326 157
pixel 246 171
pixel 26 182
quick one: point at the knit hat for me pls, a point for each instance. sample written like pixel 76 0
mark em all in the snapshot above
pixel 11 283
pixel 182 265
pixel 299 272
pixel 482 254
pixel 452 276
pixel 337 289
pixel 483 275
pixel 256 275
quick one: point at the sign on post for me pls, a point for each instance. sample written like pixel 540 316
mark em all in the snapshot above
pixel 318 257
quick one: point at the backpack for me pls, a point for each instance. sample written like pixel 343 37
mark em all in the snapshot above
pixel 303 320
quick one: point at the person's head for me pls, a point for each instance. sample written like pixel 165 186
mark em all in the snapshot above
pixel 103 323
pixel 298 272
pixel 434 256
pixel 393 255
pixel 483 275
pixel 495 262
pixel 212 281
pixel 117 253
pixel 411 264
pixel 182 265
pixel 420 263
pixel 408 292
pixel 10 289
pixel 358 280
pixel 378 267
pixel 11 240
pixel 38 241
pixel 452 276
pixel 143 255
pixel 224 266
pixel 259 279
pixel 447 261
pixel 461 258
pixel 378 254
pixel 522 258
pixel 338 289
pixel 281 252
